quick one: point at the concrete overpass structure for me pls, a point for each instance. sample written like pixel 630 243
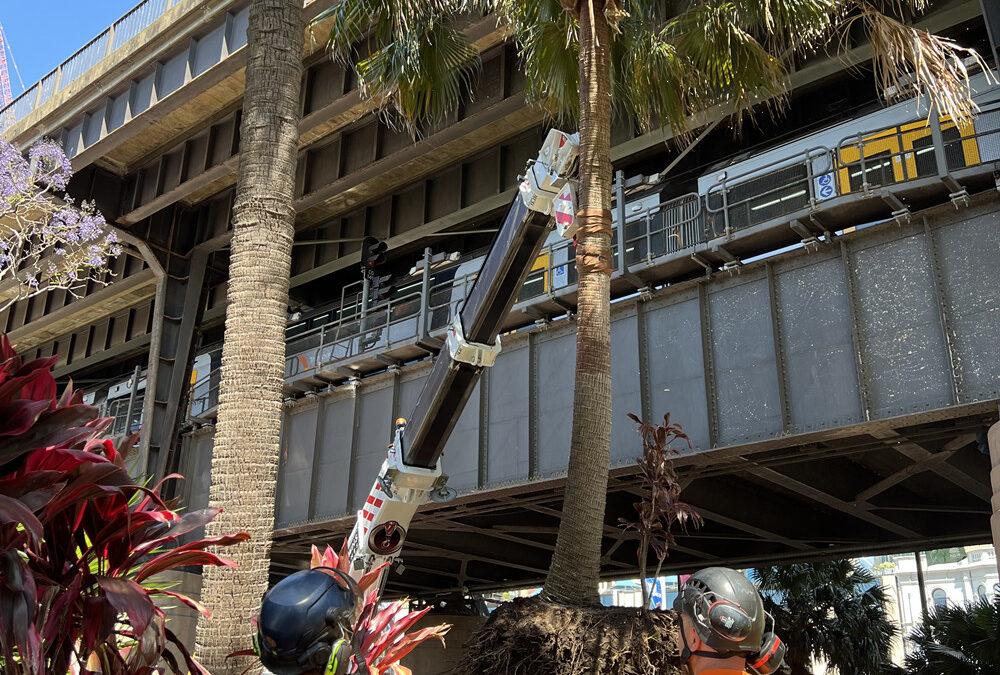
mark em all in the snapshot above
pixel 837 395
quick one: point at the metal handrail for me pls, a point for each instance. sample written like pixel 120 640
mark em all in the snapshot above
pixel 901 157
pixel 686 230
pixel 94 52
pixel 808 158
pixel 118 410
pixel 397 321
pixel 681 219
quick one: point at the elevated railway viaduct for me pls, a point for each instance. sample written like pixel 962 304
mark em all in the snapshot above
pixel 837 394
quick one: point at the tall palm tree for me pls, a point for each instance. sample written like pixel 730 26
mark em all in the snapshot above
pixel 653 62
pixel 247 443
pixel 832 610
pixel 958 640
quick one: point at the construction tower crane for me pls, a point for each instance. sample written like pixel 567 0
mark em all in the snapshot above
pixel 5 94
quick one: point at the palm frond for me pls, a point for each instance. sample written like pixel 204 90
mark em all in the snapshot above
pixel 423 77
pixel 911 62
pixel 547 40
pixel 785 27
pixel 411 56
pixel 835 610
pixel 728 63
pixel 650 80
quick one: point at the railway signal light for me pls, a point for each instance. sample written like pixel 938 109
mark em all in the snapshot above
pixel 373 256
pixel 381 287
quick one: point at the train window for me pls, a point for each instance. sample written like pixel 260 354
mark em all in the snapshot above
pixel 877 171
pixel 635 240
pixel 954 148
pixel 442 291
pixel 533 286
pixel 771 195
pixel 295 329
pixel 954 152
pixel 923 156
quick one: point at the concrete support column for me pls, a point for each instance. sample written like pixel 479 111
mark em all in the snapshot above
pixel 994 442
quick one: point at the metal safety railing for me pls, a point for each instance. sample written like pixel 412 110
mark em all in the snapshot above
pixel 126 420
pixel 665 229
pixel 766 192
pixel 411 315
pixel 859 163
pixel 203 394
pixel 101 47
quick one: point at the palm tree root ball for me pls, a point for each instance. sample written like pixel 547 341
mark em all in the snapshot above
pixel 532 637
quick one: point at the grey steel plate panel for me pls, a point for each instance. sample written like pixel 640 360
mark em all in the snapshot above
pixel 902 344
pixel 296 469
pixel 676 368
pixel 333 468
pixel 743 356
pixel 817 347
pixel 508 425
pixel 971 279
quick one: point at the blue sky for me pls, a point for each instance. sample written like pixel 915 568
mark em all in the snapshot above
pixel 43 33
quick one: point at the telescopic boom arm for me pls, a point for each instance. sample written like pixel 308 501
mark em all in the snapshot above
pixel 411 474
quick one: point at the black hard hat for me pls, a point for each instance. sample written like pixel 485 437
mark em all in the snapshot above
pixel 726 610
pixel 302 616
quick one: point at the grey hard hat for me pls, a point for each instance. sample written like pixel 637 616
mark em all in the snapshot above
pixel 725 608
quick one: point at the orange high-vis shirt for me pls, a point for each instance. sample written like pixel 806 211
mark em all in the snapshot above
pixel 723 671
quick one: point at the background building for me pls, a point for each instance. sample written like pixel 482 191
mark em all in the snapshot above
pixel 956 577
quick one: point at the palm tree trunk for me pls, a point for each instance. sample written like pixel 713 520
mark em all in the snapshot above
pixel 247 437
pixel 575 568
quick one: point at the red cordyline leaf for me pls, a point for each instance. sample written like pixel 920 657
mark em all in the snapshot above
pixel 57 612
pixel 44 364
pixel 14 511
pixel 393 632
pixel 98 622
pixel 413 640
pixel 38 387
pixel 129 598
pixel 21 387
pixel 327 559
pixel 344 561
pixel 184 524
pixel 190 602
pixel 20 415
pixel 369 578
pixel 102 446
pixel 77 494
pixel 171 559
pixel 18 604
pixel 61 483
pixel 373 626
pixel 60 428
pixel 154 492
pixel 19 487
pixel 369 608
pixel 194 668
pixel 58 459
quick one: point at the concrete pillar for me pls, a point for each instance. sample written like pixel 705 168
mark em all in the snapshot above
pixel 993 436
